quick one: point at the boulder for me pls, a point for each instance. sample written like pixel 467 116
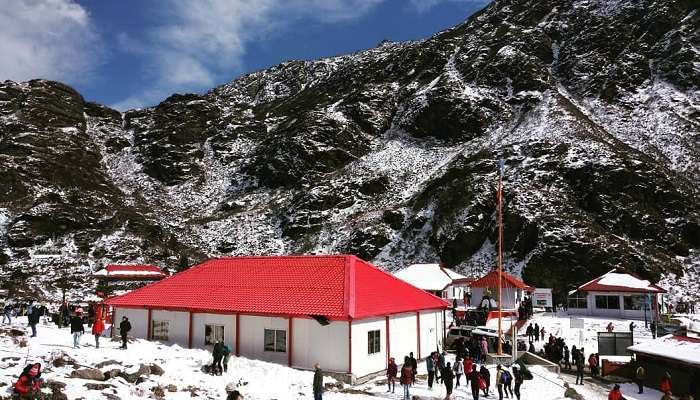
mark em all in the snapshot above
pixel 171 388
pixel 156 370
pixel 135 376
pixel 106 363
pixel 98 386
pixel 90 374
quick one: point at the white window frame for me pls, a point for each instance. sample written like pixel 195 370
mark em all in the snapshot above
pixel 213 328
pixel 277 342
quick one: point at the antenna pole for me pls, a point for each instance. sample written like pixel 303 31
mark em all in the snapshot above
pixel 499 341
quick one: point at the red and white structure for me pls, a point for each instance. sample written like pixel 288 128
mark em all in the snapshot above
pixel 130 272
pixel 616 294
pixel 340 311
pixel 513 290
pixel 436 279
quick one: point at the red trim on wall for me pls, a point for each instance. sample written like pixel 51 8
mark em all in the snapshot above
pixel 418 332
pixel 238 330
pixel 189 334
pixel 290 340
pixel 388 341
pixel 350 347
pixel 148 327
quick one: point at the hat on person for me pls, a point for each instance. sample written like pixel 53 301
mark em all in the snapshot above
pixel 34 371
pixel 230 387
pixel 616 387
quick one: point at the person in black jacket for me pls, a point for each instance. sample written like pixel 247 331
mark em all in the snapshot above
pixel 124 328
pixel 77 328
pixel 448 380
pixel 318 382
pixel 474 380
pixel 487 378
pixel 414 365
pixel 218 354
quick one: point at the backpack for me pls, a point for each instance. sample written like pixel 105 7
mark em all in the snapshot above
pixel 505 378
pixel 482 383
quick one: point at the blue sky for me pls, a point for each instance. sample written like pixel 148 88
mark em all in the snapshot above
pixel 133 53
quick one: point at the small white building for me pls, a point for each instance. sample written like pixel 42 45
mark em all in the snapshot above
pixel 340 311
pixel 433 278
pixel 617 295
pixel 513 290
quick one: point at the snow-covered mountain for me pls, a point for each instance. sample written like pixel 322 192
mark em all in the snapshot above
pixel 389 153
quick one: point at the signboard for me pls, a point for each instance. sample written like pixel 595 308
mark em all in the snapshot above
pixel 576 323
pixel 614 343
pixel 542 297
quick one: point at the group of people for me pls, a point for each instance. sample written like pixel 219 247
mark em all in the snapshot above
pixel 221 353
pixel 440 371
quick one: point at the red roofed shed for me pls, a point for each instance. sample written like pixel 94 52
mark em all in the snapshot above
pixel 296 310
pixel 514 289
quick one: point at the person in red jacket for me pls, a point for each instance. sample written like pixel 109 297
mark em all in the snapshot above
pixel 406 378
pixel 29 382
pixel 391 371
pixel 666 383
pixel 468 366
pixel 615 394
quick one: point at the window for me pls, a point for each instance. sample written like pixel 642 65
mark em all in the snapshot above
pixel 276 340
pixel 373 342
pixel 578 300
pixel 160 330
pixel 213 334
pixel 607 302
pixel 635 302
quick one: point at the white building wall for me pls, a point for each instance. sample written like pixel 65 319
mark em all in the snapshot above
pixel 619 313
pixel 252 340
pixel 138 318
pixel 199 320
pixel 403 336
pixel 327 345
pixel 178 325
pixel 362 362
pixel 431 327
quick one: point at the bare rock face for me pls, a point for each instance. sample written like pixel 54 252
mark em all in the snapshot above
pixel 91 374
pixel 389 153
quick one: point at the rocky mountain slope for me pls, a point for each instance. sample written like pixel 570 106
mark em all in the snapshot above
pixel 389 153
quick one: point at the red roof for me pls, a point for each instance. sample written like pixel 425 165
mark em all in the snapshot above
pixel 337 287
pixel 490 280
pixel 633 284
pixel 132 268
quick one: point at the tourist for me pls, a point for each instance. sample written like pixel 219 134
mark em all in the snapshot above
pixel 665 385
pixel 227 356
pixel 430 365
pixel 458 370
pixel 632 326
pixel 468 366
pixel 639 375
pixel 536 332
pixel 124 329
pixel 484 348
pixel 406 378
pixel 542 333
pixel 32 317
pixel 76 327
pixel 499 382
pixel 610 327
pixel 593 364
pixel 531 348
pixel 392 371
pixel 507 381
pixel 28 384
pixel 318 382
pixel 218 355
pixel 414 365
pixel 476 380
pixel 567 363
pixel 518 379
pixel 529 332
pixel 440 365
pixel 615 393
pixel 579 369
pixel 652 327
pixel 448 380
pixel 486 375
pixel 7 313
pixel 98 327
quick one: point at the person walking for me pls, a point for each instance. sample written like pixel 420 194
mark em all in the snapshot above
pixel 414 365
pixel 97 328
pixel 32 317
pixel 430 366
pixel 77 328
pixel 392 370
pixel 536 332
pixel 593 364
pixel 529 331
pixel 440 366
pixel 652 327
pixel 542 333
pixel 406 378
pixel 639 375
pixel 632 326
pixel 579 369
pixel 665 385
pixel 318 382
pixel 468 366
pixel 7 313
pixel 567 363
pixel 610 327
pixel 499 383
pixel 517 379
pixel 458 370
pixel 484 348
pixel 475 380
pixel 124 329
pixel 486 375
pixel 507 381
pixel 448 380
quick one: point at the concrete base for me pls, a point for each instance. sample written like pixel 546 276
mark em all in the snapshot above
pixel 504 359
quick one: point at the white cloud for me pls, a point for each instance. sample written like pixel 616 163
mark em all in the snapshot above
pixel 425 5
pixel 203 41
pixel 52 39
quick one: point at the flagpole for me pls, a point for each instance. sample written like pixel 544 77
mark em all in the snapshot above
pixel 500 255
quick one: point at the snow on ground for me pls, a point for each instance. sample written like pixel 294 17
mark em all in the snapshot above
pixel 262 380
